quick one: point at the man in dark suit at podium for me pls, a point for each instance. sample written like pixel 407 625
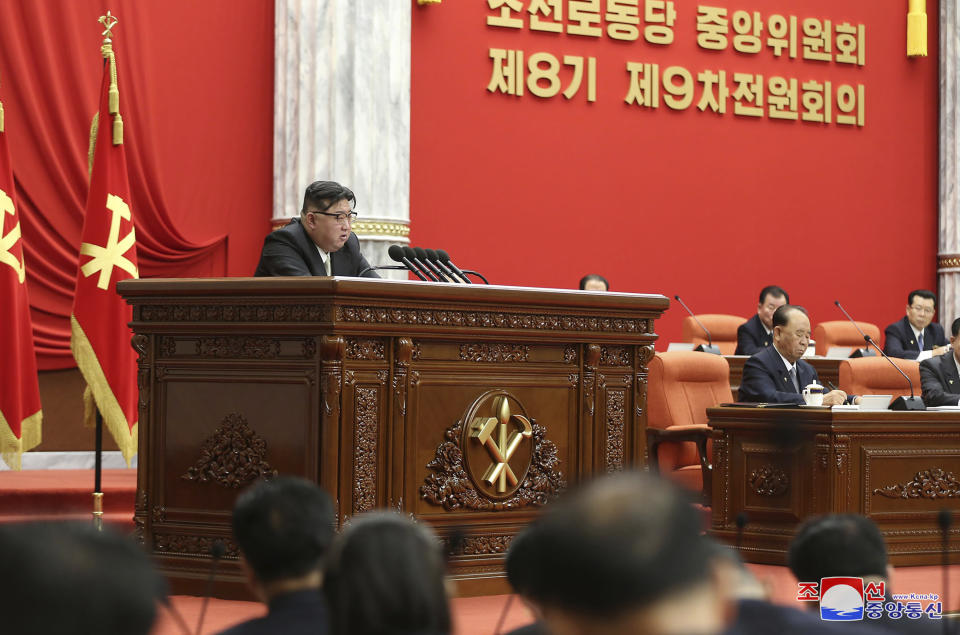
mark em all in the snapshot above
pixel 320 242
pixel 917 331
pixel 940 376
pixel 757 333
pixel 777 374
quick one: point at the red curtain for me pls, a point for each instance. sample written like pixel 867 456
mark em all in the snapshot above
pixel 196 92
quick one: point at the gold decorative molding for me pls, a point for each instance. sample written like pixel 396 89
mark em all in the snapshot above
pixel 381 228
pixel 429 1
pixel 948 261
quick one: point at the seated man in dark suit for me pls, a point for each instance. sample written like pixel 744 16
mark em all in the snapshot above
pixel 320 242
pixel 917 331
pixel 940 376
pixel 777 374
pixel 757 333
pixel 284 528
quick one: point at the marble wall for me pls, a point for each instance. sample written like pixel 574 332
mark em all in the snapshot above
pixel 948 260
pixel 342 112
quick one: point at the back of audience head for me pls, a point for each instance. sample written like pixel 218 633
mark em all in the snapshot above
pixel 620 555
pixel 594 282
pixel 386 576
pixel 68 578
pixel 284 527
pixel 837 545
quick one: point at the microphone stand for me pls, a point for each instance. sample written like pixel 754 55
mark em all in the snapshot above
pixel 477 274
pixel 860 352
pixel 709 348
pixel 379 268
pixel 900 403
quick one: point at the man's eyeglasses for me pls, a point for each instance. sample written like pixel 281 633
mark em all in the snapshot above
pixel 340 217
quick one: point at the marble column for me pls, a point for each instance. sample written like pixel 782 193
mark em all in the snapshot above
pixel 948 260
pixel 342 112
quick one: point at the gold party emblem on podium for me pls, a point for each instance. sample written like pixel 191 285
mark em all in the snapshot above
pixel 505 438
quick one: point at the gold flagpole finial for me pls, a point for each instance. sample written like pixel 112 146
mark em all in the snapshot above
pixel 108 21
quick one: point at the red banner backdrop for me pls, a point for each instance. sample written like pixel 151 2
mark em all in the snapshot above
pixel 198 103
pixel 712 206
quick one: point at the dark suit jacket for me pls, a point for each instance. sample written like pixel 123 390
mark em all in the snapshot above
pixel 940 382
pixel 765 378
pixel 289 251
pixel 297 613
pixel 900 342
pixel 755 617
pixel 752 337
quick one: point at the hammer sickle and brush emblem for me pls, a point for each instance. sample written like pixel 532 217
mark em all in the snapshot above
pixel 484 429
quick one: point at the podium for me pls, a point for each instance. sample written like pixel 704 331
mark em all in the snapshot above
pixel 469 407
pixel 782 465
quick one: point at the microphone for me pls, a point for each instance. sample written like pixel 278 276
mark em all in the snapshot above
pixel 422 257
pixel 217 549
pixel 860 352
pixel 396 252
pixel 435 259
pixel 411 255
pixel 378 268
pixel 709 348
pixel 445 259
pixel 944 519
pixel 900 403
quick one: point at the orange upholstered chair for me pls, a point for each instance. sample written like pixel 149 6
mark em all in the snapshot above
pixel 681 386
pixel 723 329
pixel 843 333
pixel 875 375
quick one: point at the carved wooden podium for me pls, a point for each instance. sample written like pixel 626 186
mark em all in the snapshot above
pixel 467 406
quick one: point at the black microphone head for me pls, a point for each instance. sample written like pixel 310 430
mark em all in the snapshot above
pixel 432 255
pixel 218 549
pixel 867 339
pixel 677 298
pixel 409 253
pixel 944 519
pixel 421 253
pixel 837 302
pixel 395 252
pixel 741 520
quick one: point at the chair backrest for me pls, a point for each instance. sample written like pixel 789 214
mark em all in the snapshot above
pixel 681 385
pixel 722 327
pixel 843 333
pixel 875 375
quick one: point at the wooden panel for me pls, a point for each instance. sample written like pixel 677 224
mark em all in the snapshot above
pixel 387 394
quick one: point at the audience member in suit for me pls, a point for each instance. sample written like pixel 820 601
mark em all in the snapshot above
pixel 320 237
pixel 917 331
pixel 594 282
pixel 70 579
pixel 777 374
pixel 518 567
pixel 386 577
pixel 757 333
pixel 622 555
pixel 849 545
pixel 284 528
pixel 940 376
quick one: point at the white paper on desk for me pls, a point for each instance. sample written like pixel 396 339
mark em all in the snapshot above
pixel 839 352
pixel 924 355
pixel 680 346
pixel 944 408
pixel 845 406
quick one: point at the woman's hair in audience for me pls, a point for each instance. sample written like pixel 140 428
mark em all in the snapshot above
pixel 385 575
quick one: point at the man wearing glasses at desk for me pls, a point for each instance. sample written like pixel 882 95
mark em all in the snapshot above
pixel 320 242
pixel 916 336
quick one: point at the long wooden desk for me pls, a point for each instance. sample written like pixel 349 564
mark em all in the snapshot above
pixel 827 370
pixel 389 395
pixel 781 465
